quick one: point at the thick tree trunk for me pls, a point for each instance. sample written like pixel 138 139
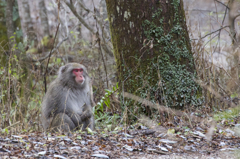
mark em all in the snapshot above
pixel 152 50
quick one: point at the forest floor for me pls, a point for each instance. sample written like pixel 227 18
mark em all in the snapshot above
pixel 168 142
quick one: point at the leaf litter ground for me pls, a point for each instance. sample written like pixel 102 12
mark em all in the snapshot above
pixel 135 142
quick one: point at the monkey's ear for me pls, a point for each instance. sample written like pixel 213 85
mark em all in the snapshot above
pixel 62 69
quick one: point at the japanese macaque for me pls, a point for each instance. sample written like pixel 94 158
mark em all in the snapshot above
pixel 67 105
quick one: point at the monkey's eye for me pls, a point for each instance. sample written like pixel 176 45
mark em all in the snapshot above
pixel 78 70
pixel 75 70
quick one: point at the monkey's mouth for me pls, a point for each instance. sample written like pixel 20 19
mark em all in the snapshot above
pixel 80 79
pixel 81 82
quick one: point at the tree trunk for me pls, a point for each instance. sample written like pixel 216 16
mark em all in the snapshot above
pixel 27 22
pixel 233 14
pixel 9 22
pixel 103 14
pixel 153 51
pixel 25 80
pixel 44 17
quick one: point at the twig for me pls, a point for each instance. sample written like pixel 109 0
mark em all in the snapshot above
pixel 225 14
pixel 161 108
pixel 100 50
pixel 95 16
pixel 217 95
pixel 84 7
pixel 45 80
pixel 222 24
pixel 81 19
pixel 11 125
pixel 222 4
pixel 214 31
pixel 236 16
pixel 149 103
pixel 210 40
pixel 50 52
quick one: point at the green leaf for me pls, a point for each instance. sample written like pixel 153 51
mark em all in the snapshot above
pixel 59 60
pixel 90 131
pixel 5 131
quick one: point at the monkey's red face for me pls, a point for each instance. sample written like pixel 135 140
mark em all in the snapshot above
pixel 79 75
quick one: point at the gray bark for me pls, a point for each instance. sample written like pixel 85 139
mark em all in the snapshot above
pixel 103 14
pixel 232 15
pixel 27 23
pixel 80 11
pixel 44 17
pixel 9 22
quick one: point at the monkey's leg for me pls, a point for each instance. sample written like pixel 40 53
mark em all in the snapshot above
pixel 62 122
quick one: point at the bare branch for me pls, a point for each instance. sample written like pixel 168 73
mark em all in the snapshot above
pixel 50 52
pixel 84 7
pixel 214 31
pixel 183 115
pixel 81 19
pixel 96 17
pixel 222 4
pixel 236 16
pixel 149 103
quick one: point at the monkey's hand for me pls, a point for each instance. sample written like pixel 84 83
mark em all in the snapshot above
pixel 86 115
pixel 80 119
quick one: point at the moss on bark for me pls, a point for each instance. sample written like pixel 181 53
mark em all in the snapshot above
pixel 153 51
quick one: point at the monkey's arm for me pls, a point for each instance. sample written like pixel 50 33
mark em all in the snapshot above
pixel 91 94
pixel 87 113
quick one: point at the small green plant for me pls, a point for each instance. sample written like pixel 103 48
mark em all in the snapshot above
pixel 105 100
pixel 101 115
pixel 228 114
pixel 5 131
